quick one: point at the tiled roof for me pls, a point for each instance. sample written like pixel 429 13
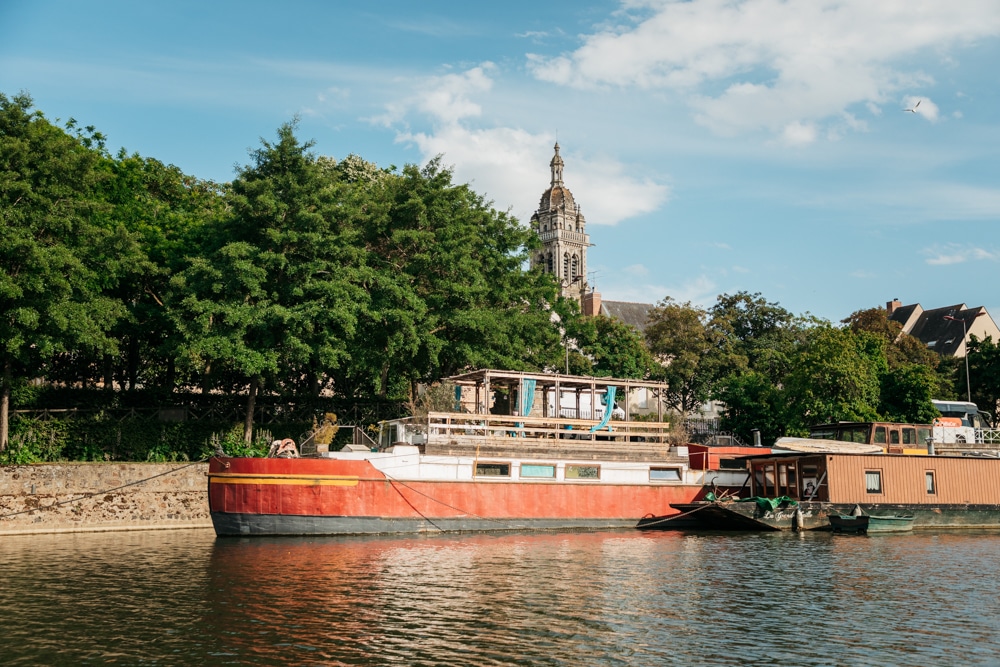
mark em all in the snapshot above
pixel 632 314
pixel 902 314
pixel 944 336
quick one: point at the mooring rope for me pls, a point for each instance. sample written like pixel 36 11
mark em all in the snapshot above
pixel 97 493
pixel 395 481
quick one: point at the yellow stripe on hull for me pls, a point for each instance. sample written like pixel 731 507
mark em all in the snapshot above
pixel 286 480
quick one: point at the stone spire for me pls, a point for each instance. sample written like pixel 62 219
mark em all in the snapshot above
pixel 563 231
pixel 556 165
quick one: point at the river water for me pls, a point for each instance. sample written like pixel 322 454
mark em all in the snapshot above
pixel 607 598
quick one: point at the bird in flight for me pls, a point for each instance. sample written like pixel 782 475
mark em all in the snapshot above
pixel 914 109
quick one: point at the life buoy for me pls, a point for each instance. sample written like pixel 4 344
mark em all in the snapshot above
pixel 285 449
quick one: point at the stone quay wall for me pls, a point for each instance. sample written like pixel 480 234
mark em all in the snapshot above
pixel 94 497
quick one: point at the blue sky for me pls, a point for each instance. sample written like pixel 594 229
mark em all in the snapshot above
pixel 713 145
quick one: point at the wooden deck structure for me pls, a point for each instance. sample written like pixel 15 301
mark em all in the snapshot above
pixel 546 432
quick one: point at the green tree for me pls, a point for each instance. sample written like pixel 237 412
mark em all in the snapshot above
pixel 757 341
pixel 613 348
pixel 984 374
pixel 679 338
pixel 448 289
pixel 753 333
pixel 834 377
pixel 53 258
pixel 906 394
pixel 279 294
pixel 167 212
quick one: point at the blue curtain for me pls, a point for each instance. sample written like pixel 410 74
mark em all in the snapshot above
pixel 609 403
pixel 527 397
pixel 527 400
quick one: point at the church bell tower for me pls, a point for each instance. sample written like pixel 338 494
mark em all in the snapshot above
pixel 563 231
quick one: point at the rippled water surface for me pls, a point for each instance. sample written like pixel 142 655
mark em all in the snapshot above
pixel 610 598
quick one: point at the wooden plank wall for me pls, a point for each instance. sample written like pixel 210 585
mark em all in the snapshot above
pixel 958 480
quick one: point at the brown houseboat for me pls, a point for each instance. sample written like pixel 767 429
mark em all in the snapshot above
pixel 797 491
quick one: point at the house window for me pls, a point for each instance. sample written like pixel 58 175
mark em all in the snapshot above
pixel 929 476
pixel 583 472
pixel 492 470
pixel 873 481
pixel 538 470
pixel 664 474
pixel 575 270
pixel 565 272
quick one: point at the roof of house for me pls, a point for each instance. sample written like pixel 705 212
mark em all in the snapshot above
pixel 903 313
pixel 944 336
pixel 632 314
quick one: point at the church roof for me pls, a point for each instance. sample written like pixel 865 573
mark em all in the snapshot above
pixel 555 197
pixel 632 314
pixel 558 195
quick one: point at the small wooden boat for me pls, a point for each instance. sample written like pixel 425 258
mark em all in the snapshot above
pixel 864 523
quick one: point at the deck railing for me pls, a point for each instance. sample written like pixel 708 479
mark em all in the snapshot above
pixel 456 428
pixel 988 436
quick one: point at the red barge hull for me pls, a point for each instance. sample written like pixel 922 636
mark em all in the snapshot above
pixel 323 496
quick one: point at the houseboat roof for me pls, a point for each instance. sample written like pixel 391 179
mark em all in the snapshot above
pixel 547 380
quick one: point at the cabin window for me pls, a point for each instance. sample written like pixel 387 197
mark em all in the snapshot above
pixel 664 474
pixel 873 481
pixel 583 472
pixel 929 476
pixel 538 470
pixel 923 435
pixel 492 470
pixel 880 435
pixel 732 464
pixel 909 436
pixel 893 437
pixel 787 485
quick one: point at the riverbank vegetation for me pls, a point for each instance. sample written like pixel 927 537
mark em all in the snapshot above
pixel 313 281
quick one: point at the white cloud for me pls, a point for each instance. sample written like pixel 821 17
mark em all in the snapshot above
pixel 448 97
pixel 797 133
pixel 774 65
pixel 959 253
pixel 510 165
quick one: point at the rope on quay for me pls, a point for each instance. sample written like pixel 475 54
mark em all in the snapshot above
pixel 97 493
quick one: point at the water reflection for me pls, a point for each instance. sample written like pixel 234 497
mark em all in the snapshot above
pixel 628 598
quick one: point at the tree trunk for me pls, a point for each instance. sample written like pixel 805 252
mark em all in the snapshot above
pixel 5 404
pixel 251 404
pixel 108 370
pixel 170 378
pixel 133 362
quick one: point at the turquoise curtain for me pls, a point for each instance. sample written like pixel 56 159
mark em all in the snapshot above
pixel 527 397
pixel 609 402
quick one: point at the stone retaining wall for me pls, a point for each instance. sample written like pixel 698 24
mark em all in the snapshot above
pixel 83 497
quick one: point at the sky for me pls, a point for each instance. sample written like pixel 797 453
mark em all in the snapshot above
pixel 831 156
